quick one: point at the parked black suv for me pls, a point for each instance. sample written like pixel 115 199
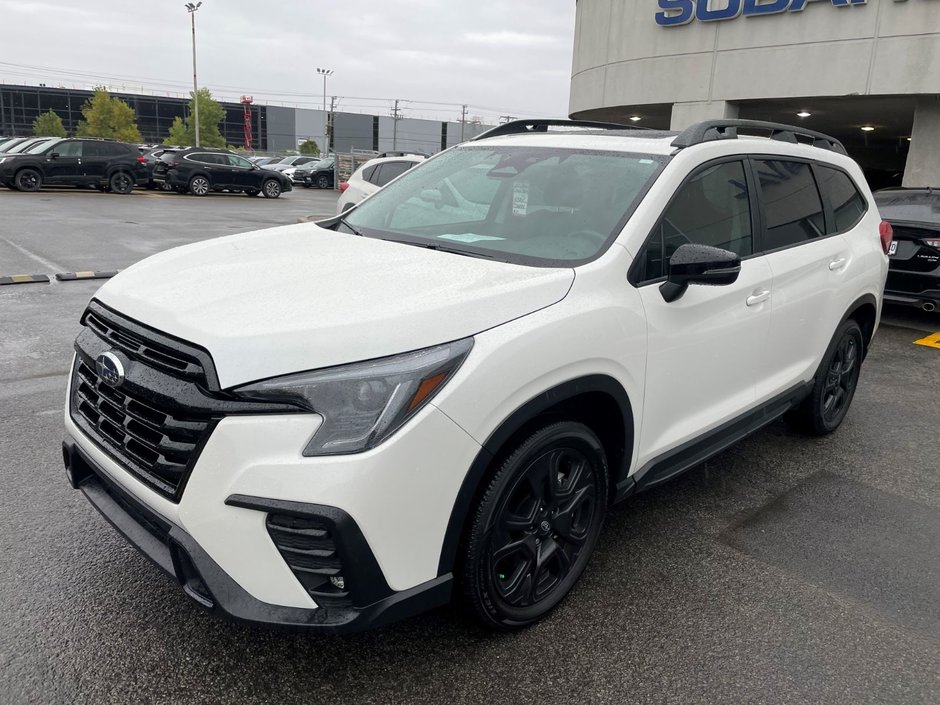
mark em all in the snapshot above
pixel 319 174
pixel 108 165
pixel 199 170
pixel 914 256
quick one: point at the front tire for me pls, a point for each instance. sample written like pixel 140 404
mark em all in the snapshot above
pixel 199 186
pixel 121 183
pixel 535 526
pixel 271 188
pixel 323 182
pixel 28 180
pixel 823 411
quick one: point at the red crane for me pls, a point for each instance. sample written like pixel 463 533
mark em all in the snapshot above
pixel 247 100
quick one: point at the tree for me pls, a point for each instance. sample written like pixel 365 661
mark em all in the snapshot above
pixel 211 113
pixel 309 147
pixel 48 125
pixel 108 117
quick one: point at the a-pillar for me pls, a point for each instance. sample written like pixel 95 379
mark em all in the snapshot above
pixel 923 159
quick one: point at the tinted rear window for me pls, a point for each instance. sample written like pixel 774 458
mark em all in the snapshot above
pixel 848 204
pixel 792 207
pixel 910 206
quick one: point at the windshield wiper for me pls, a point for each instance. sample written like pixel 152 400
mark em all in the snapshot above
pixel 355 230
pixel 441 248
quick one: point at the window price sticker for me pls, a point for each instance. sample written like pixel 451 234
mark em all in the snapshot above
pixel 520 198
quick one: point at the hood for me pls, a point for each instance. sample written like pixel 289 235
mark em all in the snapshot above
pixel 299 297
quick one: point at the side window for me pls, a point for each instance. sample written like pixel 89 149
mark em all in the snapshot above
pixel 792 207
pixel 367 174
pixel 240 162
pixel 388 171
pixel 848 205
pixel 711 208
pixel 70 149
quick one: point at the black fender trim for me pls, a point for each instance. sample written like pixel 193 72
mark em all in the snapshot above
pixel 513 424
pixel 866 299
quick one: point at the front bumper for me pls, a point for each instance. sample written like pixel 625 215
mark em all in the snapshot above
pixel 178 554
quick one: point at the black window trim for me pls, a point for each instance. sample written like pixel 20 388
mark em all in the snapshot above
pixel 634 274
pixel 831 227
pixel 828 217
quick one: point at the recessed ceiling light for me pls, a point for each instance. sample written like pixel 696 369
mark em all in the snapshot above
pixel 867 128
pixel 908 139
pixel 635 118
pixel 803 113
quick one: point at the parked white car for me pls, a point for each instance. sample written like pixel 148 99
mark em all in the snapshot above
pixel 440 393
pixel 372 176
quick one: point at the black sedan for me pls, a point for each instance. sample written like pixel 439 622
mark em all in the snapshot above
pixel 914 274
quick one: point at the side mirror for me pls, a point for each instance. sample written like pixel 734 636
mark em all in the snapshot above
pixel 54 155
pixel 699 264
pixel 255 167
pixel 433 196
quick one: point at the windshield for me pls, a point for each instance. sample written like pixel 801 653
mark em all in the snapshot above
pixel 531 205
pixel 43 145
pixel 322 164
pixel 911 206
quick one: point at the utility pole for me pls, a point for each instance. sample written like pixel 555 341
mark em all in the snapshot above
pixel 329 123
pixel 326 73
pixel 396 116
pixel 463 122
pixel 191 9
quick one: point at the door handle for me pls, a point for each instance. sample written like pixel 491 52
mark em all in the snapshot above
pixel 837 264
pixel 758 297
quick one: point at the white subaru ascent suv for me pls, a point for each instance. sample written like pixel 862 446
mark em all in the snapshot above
pixel 441 392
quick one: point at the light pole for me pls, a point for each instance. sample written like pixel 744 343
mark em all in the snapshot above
pixel 326 73
pixel 191 9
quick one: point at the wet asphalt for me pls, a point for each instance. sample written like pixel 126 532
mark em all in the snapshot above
pixel 785 570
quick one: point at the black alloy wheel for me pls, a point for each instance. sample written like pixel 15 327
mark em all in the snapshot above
pixel 271 188
pixel 199 186
pixel 121 182
pixel 535 527
pixel 834 386
pixel 323 182
pixel 28 180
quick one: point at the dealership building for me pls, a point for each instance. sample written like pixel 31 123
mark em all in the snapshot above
pixel 274 128
pixel 865 72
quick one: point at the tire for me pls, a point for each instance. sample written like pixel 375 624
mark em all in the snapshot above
pixel 823 411
pixel 306 185
pixel 271 188
pixel 28 180
pixel 199 186
pixel 323 182
pixel 252 192
pixel 530 538
pixel 121 183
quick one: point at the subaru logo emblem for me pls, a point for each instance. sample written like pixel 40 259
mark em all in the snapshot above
pixel 110 369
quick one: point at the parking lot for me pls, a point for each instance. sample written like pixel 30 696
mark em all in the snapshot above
pixel 785 570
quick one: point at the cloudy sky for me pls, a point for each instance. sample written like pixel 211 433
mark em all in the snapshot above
pixel 499 56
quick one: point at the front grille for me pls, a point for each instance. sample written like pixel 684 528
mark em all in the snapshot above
pixel 156 422
pixel 138 347
pixel 309 549
pixel 154 442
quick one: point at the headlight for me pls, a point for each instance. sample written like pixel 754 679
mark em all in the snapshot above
pixel 364 403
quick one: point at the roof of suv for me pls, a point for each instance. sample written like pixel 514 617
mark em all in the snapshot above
pixel 611 136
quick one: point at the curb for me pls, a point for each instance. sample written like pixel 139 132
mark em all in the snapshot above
pixel 72 276
pixel 313 218
pixel 25 279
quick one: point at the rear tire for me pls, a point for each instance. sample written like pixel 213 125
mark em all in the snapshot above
pixel 199 186
pixel 271 188
pixel 28 180
pixel 252 192
pixel 823 411
pixel 535 526
pixel 121 182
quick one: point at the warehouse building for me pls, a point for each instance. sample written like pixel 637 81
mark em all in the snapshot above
pixel 865 72
pixel 274 128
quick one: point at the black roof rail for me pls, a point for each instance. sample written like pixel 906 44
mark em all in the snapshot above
pixel 516 127
pixel 711 130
